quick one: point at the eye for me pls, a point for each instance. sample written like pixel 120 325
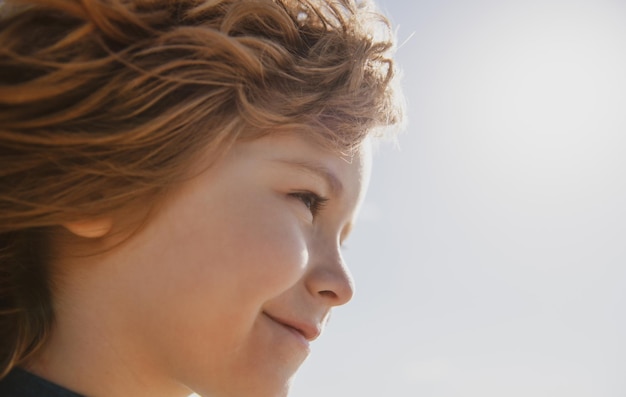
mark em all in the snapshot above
pixel 312 201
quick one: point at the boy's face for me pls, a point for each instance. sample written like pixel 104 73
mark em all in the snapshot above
pixel 239 268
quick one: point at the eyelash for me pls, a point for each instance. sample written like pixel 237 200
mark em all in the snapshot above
pixel 312 201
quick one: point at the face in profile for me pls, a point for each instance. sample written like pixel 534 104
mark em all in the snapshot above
pixel 237 271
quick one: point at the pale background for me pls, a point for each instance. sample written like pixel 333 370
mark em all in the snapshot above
pixel 490 254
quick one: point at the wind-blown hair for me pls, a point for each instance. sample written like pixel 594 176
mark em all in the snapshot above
pixel 105 103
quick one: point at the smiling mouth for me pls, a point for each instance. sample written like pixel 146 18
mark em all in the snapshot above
pixel 308 332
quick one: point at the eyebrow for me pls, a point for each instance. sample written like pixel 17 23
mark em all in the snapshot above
pixel 331 179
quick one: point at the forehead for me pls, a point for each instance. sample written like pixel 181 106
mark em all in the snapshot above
pixel 308 155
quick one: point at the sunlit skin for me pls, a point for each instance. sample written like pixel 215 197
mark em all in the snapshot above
pixel 223 289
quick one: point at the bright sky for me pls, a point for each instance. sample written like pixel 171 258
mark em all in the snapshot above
pixel 490 254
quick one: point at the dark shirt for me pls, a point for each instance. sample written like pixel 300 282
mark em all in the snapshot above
pixel 19 383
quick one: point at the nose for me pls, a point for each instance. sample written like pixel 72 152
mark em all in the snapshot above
pixel 331 280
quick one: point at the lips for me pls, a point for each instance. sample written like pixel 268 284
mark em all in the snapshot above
pixel 310 331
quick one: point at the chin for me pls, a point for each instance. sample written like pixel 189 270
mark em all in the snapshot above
pixel 278 390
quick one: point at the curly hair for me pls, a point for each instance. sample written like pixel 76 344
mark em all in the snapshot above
pixel 104 103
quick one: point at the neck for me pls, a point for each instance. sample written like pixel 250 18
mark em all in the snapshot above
pixel 91 349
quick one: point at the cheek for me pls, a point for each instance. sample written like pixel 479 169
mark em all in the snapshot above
pixel 260 246
pixel 208 277
pixel 241 251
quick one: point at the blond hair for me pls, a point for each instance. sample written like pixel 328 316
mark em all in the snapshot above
pixel 105 102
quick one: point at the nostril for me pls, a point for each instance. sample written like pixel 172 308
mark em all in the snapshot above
pixel 328 294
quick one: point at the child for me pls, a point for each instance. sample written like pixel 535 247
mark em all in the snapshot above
pixel 176 180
